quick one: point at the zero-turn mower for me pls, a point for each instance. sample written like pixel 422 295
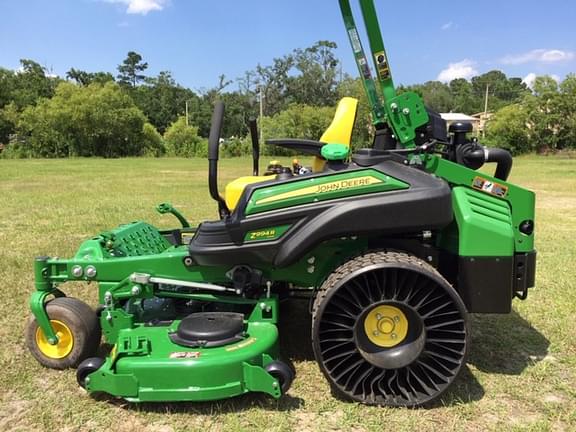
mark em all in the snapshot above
pixel 396 244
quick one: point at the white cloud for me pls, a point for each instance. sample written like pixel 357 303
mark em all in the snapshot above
pixel 463 69
pixel 141 7
pixel 531 77
pixel 538 56
pixel 447 26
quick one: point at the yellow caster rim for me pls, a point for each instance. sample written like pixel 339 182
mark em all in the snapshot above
pixel 386 326
pixel 65 341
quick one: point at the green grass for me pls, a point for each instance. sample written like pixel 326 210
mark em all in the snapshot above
pixel 521 373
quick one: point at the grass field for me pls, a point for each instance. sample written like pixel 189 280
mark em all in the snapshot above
pixel 521 373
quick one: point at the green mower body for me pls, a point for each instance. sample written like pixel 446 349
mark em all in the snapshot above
pixel 394 245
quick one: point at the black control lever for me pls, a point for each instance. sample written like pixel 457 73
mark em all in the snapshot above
pixel 213 147
pixel 253 126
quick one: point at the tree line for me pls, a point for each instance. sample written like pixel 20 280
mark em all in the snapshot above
pixel 132 114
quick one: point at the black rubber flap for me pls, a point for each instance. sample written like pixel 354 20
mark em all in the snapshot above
pixel 209 329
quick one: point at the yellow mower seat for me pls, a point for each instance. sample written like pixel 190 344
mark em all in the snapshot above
pixel 234 189
pixel 339 132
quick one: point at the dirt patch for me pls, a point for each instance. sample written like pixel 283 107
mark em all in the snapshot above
pixel 554 398
pixel 306 422
pixel 13 414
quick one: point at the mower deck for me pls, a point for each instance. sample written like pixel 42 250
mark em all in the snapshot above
pixel 146 366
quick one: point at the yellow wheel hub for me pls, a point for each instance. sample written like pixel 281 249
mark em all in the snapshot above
pixel 65 341
pixel 386 326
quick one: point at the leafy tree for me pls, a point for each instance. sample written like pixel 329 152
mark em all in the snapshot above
pixel 318 68
pixel 26 86
pixel 97 120
pixel 152 142
pixel 236 147
pixel 183 141
pixel 86 78
pixel 502 90
pixel 363 132
pixel 6 85
pixel 544 121
pixel 248 83
pixel 32 83
pixel 508 129
pixel 566 107
pixel 223 82
pixel 239 108
pixel 162 100
pixel 200 113
pixel 543 116
pixel 130 71
pixel 271 83
pixel 436 95
pixel 297 121
pixel 8 119
pixel 306 76
pixel 22 89
pixel 463 98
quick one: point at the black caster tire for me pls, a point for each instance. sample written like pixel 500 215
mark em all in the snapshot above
pixel 78 332
pixel 283 373
pixel 388 329
pixel 87 367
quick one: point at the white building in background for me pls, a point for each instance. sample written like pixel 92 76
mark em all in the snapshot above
pixel 459 117
pixel 478 120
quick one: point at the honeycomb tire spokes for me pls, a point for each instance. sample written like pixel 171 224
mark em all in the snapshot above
pixel 419 367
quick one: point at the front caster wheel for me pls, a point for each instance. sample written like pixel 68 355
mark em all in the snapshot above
pixel 388 329
pixel 283 373
pixel 78 331
pixel 85 368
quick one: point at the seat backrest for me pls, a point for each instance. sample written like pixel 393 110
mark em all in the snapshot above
pixel 340 130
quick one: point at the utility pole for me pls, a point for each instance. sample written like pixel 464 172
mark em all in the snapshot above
pixel 485 112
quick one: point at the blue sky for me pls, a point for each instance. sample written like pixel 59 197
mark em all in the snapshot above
pixel 199 40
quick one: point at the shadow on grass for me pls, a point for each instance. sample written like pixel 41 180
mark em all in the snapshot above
pixel 499 344
pixel 233 405
pixel 295 330
pixel 505 344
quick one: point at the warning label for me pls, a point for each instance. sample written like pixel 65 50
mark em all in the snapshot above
pixel 490 187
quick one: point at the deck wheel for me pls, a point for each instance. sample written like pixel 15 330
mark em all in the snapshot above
pixel 87 367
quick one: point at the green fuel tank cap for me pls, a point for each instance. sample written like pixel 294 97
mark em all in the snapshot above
pixel 335 152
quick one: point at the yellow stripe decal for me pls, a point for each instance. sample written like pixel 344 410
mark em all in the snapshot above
pixel 335 186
